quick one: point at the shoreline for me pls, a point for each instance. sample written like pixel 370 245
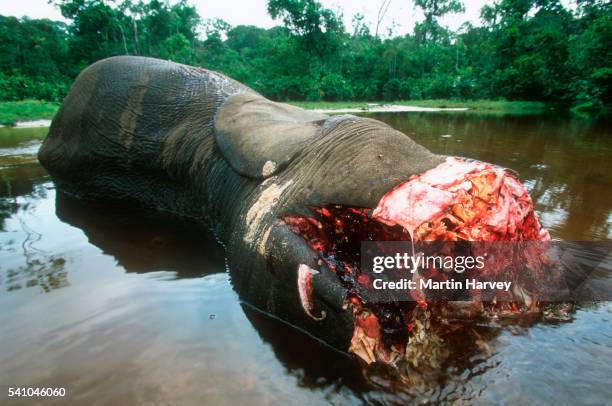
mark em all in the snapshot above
pixel 489 107
pixel 386 108
pixel 389 108
pixel 37 114
pixel 29 124
pixel 27 113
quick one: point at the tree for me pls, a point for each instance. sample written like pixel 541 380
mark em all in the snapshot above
pixel 318 28
pixel 360 28
pixel 34 59
pixel 590 54
pixel 98 29
pixel 382 12
pixel 429 30
pixel 526 49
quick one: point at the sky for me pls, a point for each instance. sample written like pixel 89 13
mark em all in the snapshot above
pixel 253 12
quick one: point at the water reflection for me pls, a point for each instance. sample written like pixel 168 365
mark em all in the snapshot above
pixel 144 241
pixel 319 366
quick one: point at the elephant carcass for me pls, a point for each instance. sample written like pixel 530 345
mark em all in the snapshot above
pixel 291 193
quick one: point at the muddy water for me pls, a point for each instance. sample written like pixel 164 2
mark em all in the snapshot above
pixel 120 305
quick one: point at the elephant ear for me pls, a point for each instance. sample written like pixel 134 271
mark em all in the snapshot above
pixel 259 137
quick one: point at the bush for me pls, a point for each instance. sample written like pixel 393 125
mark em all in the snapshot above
pixel 368 90
pixel 391 90
pixel 439 86
pixel 19 87
pixel 335 88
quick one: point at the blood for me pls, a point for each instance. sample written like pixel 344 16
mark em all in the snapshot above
pixel 336 233
pixel 459 200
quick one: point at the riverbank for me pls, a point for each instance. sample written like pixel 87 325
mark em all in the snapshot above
pixel 475 106
pixel 386 108
pixel 27 113
pixel 34 113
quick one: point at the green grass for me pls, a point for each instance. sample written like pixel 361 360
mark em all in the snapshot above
pixel 478 106
pixel 26 110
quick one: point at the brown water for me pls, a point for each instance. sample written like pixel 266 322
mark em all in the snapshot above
pixel 120 306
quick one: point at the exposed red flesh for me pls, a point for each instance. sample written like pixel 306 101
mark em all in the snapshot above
pixel 462 200
pixel 458 200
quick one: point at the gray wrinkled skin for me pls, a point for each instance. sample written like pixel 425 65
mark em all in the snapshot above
pixel 198 144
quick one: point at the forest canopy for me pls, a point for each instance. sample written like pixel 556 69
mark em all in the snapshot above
pixel 524 50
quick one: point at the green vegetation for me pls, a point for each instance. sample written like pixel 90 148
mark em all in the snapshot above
pixel 11 112
pixel 533 50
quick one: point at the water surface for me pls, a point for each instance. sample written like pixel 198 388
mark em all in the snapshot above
pixel 122 305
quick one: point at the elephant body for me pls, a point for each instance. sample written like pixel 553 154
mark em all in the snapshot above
pixel 200 145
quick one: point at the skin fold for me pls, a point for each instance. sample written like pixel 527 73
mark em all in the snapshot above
pixel 199 145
